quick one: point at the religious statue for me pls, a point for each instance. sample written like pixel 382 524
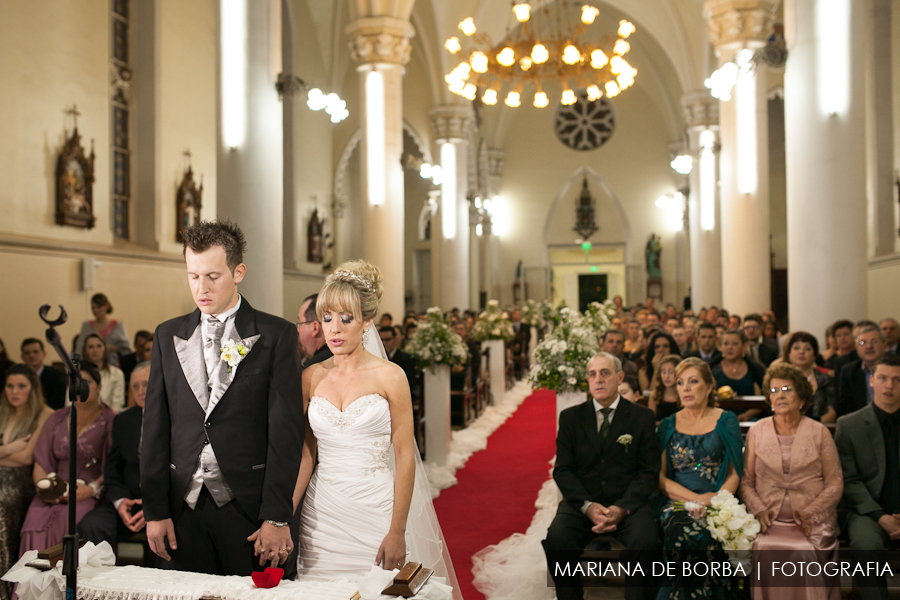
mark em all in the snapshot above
pixel 75 181
pixel 188 200
pixel 652 252
pixel 314 238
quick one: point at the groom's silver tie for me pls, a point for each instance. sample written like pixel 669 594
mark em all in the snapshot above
pixel 212 346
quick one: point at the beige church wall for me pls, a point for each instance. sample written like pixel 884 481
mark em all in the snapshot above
pixel 143 292
pixel 895 66
pixel 297 286
pixel 186 91
pixel 56 54
pixel 634 162
pixel 884 287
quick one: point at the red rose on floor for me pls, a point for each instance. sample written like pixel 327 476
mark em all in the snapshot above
pixel 268 578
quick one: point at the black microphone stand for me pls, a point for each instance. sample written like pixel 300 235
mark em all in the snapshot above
pixel 78 392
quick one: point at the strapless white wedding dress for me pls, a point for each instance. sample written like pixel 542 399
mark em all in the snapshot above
pixel 350 499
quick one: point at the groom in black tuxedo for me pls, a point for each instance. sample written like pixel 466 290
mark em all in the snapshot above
pixel 607 466
pixel 223 421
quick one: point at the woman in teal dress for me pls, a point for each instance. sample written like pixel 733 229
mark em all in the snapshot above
pixel 702 454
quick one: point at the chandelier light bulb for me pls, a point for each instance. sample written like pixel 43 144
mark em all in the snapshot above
pixel 568 97
pixel 463 69
pixel 425 171
pixel 571 55
pixel 452 45
pixel 588 14
pixel 625 28
pixel 437 174
pixel 599 59
pixel 467 26
pixel 618 65
pixel 612 90
pixel 522 11
pixel 456 86
pixel 621 47
pixel 507 57
pixel 513 100
pixel 470 91
pixel 682 164
pixel 489 97
pixel 479 62
pixel 594 92
pixel 625 81
pixel 539 54
pixel 541 100
pixel 315 99
pixel 525 63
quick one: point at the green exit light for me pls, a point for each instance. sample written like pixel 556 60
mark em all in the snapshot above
pixel 595 269
pixel 586 246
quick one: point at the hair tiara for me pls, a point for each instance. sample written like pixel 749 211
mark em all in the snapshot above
pixel 350 275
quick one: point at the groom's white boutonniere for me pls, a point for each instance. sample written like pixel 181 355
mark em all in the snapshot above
pixel 625 440
pixel 233 354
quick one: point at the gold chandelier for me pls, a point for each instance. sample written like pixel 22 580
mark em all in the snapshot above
pixel 545 47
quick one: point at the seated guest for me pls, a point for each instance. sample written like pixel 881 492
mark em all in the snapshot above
pixel 5 361
pixel 744 376
pixel 408 333
pixel 613 342
pixel 679 334
pixel 792 480
pixel 128 362
pixel 604 481
pixel 113 391
pixel 855 388
pixel 829 346
pixel 119 515
pixel 844 344
pixel 663 399
pixel 53 381
pixel 22 416
pixel 841 361
pixel 701 455
pixel 46 523
pixel 629 390
pixel 112 331
pixel 671 324
pixel 800 350
pixel 706 345
pixel 890 329
pixel 762 349
pixel 734 321
pixel 386 320
pixel 397 356
pixel 868 442
pixel 633 331
pixel 310 335
pixel 661 345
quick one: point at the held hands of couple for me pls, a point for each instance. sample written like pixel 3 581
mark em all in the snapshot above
pixel 272 544
pixel 605 519
pixel 134 522
pixel 392 552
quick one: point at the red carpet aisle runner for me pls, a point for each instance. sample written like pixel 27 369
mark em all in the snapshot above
pixel 498 487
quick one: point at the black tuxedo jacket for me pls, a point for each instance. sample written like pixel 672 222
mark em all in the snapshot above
pixel 322 354
pixel 716 356
pixel 853 393
pixel 256 428
pixel 122 472
pixel 607 472
pixel 407 363
pixel 54 383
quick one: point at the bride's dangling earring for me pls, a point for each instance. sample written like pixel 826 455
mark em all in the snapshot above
pixel 365 337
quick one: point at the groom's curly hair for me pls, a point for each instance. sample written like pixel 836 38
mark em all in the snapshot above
pixel 207 234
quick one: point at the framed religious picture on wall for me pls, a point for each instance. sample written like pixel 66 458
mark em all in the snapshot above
pixel 74 184
pixel 189 200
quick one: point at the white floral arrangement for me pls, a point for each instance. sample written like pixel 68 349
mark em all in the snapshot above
pixel 727 520
pixel 531 314
pixel 625 440
pixel 493 324
pixel 599 316
pixel 435 342
pixel 233 353
pixel 548 313
pixel 560 361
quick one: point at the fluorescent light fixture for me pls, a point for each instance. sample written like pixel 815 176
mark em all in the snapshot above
pixel 833 56
pixel 234 71
pixel 448 191
pixel 707 180
pixel 745 118
pixel 375 137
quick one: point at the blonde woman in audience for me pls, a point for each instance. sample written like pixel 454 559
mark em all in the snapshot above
pixel 113 392
pixel 663 394
pixel 22 415
pixel 112 331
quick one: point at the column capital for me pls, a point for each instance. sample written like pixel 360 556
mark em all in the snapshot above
pixel 700 109
pixel 380 40
pixel 452 122
pixel 739 21
pixel 496 161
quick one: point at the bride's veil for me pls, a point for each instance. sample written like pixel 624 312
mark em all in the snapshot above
pixel 425 542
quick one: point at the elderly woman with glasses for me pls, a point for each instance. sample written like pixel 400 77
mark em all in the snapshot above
pixel 792 482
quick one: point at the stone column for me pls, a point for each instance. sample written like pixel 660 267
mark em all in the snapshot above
pixel 824 105
pixel 380 46
pixel 452 125
pixel 251 157
pixel 736 25
pixel 880 129
pixel 701 116
pixel 491 243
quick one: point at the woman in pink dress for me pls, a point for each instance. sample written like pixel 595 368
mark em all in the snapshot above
pixel 792 482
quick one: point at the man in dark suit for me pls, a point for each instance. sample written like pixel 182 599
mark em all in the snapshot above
pixel 845 359
pixel 120 515
pixel 613 342
pixel 397 356
pixel 762 349
pixel 128 362
pixel 310 334
pixel 223 422
pixel 520 343
pixel 607 466
pixel 868 442
pixel 890 328
pixel 706 345
pixel 855 384
pixel 53 381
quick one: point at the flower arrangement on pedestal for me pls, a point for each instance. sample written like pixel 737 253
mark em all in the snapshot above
pixel 599 316
pixel 436 343
pixel 560 361
pixel 531 314
pixel 493 324
pixel 549 313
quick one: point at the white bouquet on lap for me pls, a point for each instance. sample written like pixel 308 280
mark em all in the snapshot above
pixel 727 520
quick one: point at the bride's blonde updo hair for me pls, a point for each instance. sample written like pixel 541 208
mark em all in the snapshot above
pixel 354 288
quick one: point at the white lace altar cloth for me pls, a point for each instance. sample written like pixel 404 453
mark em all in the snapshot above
pixel 98 579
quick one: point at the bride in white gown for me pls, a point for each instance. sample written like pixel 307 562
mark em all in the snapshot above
pixel 357 510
